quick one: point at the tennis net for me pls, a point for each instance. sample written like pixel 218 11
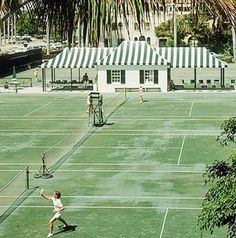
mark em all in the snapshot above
pixel 14 193
pixel 55 156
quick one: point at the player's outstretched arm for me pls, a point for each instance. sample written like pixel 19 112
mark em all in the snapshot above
pixel 43 196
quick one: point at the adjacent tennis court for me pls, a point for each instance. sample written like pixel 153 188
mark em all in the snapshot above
pixel 140 175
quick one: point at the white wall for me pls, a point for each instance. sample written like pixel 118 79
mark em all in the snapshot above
pixel 163 80
pixel 132 81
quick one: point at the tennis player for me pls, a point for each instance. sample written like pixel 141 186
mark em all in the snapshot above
pixel 58 209
pixel 90 104
pixel 141 93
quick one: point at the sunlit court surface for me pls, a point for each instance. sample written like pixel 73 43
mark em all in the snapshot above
pixel 138 175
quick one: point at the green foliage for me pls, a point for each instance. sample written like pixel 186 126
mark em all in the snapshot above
pixel 164 30
pixel 214 35
pixel 227 56
pixel 26 25
pixel 219 207
pixel 170 42
pixel 228 133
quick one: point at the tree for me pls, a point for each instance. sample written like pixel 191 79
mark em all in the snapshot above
pixel 26 25
pixel 94 18
pixel 217 38
pixel 219 206
pixel 228 133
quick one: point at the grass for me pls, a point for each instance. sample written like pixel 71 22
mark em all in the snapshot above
pixel 138 176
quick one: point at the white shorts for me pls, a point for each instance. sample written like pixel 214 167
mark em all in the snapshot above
pixel 57 215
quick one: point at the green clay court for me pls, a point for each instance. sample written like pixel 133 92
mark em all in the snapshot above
pixel 139 176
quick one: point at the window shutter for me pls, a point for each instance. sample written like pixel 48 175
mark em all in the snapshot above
pixel 122 76
pixel 141 76
pixel 108 76
pixel 156 77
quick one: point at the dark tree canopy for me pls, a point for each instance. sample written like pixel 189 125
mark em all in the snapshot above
pixel 95 17
pixel 219 206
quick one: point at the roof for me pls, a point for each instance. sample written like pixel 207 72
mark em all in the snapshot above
pixel 133 53
pixel 77 58
pixel 190 57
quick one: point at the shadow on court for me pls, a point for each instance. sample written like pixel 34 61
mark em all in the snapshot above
pixel 69 228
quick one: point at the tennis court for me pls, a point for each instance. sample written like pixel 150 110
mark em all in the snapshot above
pixel 138 176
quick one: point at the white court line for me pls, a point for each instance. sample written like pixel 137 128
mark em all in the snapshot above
pixel 127 147
pixel 25 118
pixel 164 119
pixel 200 133
pixel 34 130
pixel 31 117
pixel 159 108
pixel 189 115
pixel 12 170
pixel 181 150
pixel 20 163
pixel 105 132
pixel 111 207
pixel 106 164
pixel 214 118
pixel 164 134
pixel 164 222
pixel 154 130
pixel 119 197
pixel 128 171
pixel 111 171
pixel 37 109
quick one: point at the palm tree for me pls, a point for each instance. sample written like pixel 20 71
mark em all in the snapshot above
pixel 225 11
pixel 94 18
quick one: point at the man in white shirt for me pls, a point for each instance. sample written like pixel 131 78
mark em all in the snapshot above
pixel 58 209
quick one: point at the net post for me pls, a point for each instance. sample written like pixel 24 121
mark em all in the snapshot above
pixel 125 94
pixel 43 171
pixel 27 177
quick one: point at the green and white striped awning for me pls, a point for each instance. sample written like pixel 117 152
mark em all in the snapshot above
pixel 190 57
pixel 77 58
pixel 133 53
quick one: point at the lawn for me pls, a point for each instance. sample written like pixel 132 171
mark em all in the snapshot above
pixel 139 175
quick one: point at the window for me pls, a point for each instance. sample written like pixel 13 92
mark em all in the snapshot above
pixel 120 25
pixel 142 38
pixel 170 9
pixel 147 25
pixel 115 76
pixel 149 40
pixel 200 81
pixel 136 28
pixel 208 81
pixel 192 81
pixel 135 38
pixel 120 40
pixel 232 80
pixel 148 76
pixel 114 26
pixel 106 42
